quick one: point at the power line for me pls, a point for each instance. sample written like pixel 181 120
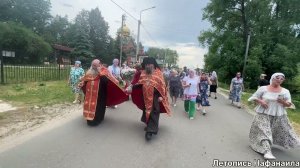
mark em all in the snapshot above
pixel 149 34
pixel 124 10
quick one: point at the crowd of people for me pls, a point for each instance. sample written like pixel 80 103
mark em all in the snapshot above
pixel 150 88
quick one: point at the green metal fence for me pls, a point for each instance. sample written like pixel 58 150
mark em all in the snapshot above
pixel 34 73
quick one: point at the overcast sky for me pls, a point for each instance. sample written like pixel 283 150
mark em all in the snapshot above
pixel 173 24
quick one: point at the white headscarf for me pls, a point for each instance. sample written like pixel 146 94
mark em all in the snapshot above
pixel 275 75
pixel 214 75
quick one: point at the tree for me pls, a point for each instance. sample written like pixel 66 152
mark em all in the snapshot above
pixel 98 33
pixel 34 14
pixel 29 47
pixel 82 43
pixel 166 55
pixel 112 50
pixel 56 31
pixel 274 31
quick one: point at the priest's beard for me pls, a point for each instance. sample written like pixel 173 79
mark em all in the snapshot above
pixel 94 71
pixel 148 70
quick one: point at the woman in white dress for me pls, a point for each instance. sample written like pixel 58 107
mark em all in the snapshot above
pixel 271 124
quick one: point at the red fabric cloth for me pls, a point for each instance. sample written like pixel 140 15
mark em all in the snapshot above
pixel 138 100
pixel 137 97
pixel 91 96
pixel 142 92
pixel 115 94
pixel 136 77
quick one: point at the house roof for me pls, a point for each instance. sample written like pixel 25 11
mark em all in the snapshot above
pixel 62 48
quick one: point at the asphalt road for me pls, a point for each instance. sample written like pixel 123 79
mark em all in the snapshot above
pixel 119 141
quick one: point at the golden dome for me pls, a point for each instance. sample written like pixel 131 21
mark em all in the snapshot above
pixel 126 30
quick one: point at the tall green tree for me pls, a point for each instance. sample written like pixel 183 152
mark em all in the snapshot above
pixel 82 43
pixel 57 30
pixel 113 50
pixel 274 29
pixel 98 33
pixel 34 14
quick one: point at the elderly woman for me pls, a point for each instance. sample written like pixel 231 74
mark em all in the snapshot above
pixel 202 98
pixel 271 124
pixel 190 83
pixel 75 74
pixel 174 86
pixel 214 84
pixel 236 88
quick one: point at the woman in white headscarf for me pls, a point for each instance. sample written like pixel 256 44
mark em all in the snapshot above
pixel 214 84
pixel 271 124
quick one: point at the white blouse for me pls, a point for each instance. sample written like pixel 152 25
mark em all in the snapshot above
pixel 185 90
pixel 193 88
pixel 274 108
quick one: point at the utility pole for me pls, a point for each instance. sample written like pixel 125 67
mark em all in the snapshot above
pixel 121 39
pixel 246 55
pixel 165 61
pixel 138 35
pixel 2 69
pixel 138 41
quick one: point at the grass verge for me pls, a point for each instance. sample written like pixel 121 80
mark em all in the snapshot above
pixel 37 93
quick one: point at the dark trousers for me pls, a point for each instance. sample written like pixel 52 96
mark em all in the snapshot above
pixel 152 125
pixel 181 92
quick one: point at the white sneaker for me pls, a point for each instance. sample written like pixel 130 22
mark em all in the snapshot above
pixel 203 111
pixel 174 105
pixel 191 118
pixel 269 156
pixel 115 106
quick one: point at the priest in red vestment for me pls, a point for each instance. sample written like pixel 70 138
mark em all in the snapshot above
pixel 101 89
pixel 149 93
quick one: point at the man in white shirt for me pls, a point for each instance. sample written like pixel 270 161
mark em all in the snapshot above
pixel 115 70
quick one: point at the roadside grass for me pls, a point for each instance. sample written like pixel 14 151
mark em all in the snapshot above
pixel 2 116
pixel 36 103
pixel 36 93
